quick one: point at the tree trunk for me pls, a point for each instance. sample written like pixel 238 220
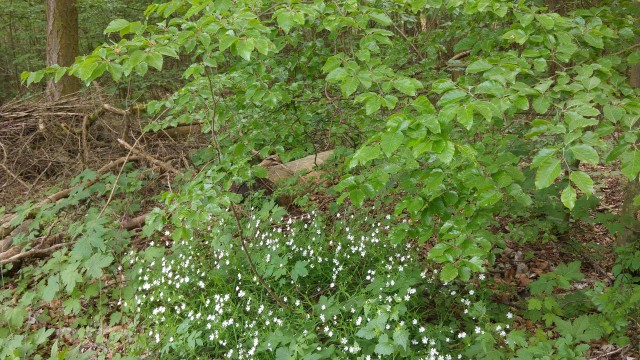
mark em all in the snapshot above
pixel 62 44
pixel 630 212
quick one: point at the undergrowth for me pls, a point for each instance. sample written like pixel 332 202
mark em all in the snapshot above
pixel 462 131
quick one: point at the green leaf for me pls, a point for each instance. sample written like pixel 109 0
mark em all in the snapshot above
pixel 282 353
pixel 568 197
pixel 155 60
pixel 390 142
pixel 541 104
pixel 35 77
pixel 70 277
pixel 432 124
pixel 631 163
pixel 142 68
pixel 299 270
pixel 116 25
pixel 484 108
pixel 357 197
pixel 15 317
pixel 262 45
pixel 488 197
pixel 423 105
pixel 337 74
pixel 614 113
pixel 365 154
pixel 401 337
pixel 478 66
pixel 451 97
pixel 167 51
pixel 542 156
pixel 60 73
pixel 545 20
pixel 547 172
pixel 136 57
pixel 585 153
pixel 407 86
pixel 384 346
pixel 634 58
pixel 382 18
pixel 517 193
pixel 226 41
pixel 50 291
pixel 372 104
pixel 535 304
pixel 591 83
pixel 465 116
pixel 448 273
pixel 594 40
pixel 96 263
pixel 517 36
pixel 490 87
pixel 286 20
pixel 583 181
pixel 446 156
pixel 368 332
pixel 245 48
pixel 349 85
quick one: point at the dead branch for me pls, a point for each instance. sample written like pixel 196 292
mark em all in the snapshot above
pixel 6 228
pixel 32 253
pixel 4 162
pixel 50 243
pixel 459 55
pixel 148 157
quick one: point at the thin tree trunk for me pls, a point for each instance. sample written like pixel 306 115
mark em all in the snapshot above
pixel 62 44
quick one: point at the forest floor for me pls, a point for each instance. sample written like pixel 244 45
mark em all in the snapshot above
pixel 516 267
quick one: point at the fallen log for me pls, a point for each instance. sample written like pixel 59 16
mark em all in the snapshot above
pixel 280 171
pixel 277 172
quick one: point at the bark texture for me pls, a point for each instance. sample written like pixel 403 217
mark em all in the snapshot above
pixel 62 44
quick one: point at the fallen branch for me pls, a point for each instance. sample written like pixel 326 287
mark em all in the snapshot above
pixel 34 252
pixel 148 157
pixel 459 55
pixel 14 254
pixel 608 354
pixel 6 228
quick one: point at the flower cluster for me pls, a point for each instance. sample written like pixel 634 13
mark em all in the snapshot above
pixel 335 286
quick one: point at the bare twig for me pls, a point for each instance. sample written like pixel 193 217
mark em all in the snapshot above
pixel 413 46
pixel 4 161
pixel 606 355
